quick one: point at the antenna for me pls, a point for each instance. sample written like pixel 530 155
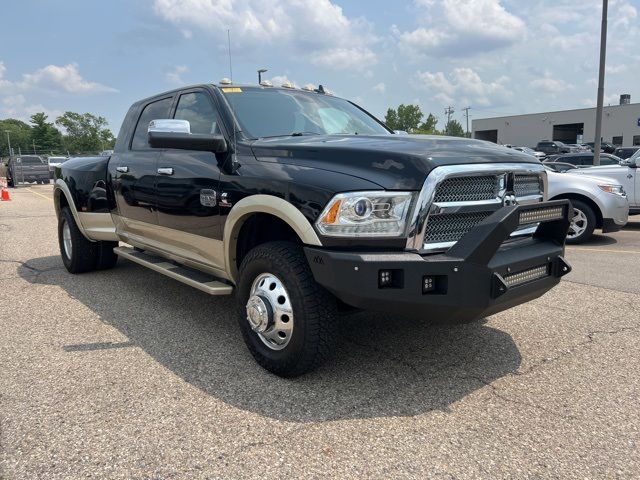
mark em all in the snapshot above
pixel 229 47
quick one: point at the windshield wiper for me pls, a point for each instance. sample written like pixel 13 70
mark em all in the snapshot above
pixel 292 134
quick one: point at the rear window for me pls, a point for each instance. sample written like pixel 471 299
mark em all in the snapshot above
pixel 546 144
pixel 31 161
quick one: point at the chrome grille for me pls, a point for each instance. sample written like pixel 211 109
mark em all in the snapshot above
pixel 467 189
pixel 450 227
pixel 526 185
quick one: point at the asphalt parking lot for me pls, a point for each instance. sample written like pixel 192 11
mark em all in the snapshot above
pixel 128 374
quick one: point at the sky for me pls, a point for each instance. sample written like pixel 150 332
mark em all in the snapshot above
pixel 499 57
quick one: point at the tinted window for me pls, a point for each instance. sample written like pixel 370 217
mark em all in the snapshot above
pixel 197 108
pixel 571 160
pixel 545 144
pixel 275 112
pixel 31 161
pixel 608 160
pixel 153 111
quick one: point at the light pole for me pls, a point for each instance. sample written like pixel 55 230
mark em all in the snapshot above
pixel 8 141
pixel 260 72
pixel 603 53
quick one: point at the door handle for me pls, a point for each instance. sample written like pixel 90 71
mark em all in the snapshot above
pixel 165 171
pixel 122 169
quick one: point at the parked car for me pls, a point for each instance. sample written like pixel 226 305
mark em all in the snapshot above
pixel 559 167
pixel 577 147
pixel 598 203
pixel 585 159
pixel 625 152
pixel 27 168
pixel 529 151
pixel 625 174
pixel 604 146
pixel 550 147
pixel 308 210
pixel 54 162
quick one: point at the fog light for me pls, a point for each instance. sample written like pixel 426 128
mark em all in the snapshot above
pixel 385 278
pixel 428 284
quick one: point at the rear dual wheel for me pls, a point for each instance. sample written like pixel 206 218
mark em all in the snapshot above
pixel 287 319
pixel 80 255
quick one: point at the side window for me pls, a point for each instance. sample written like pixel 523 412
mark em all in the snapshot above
pixel 197 108
pixel 153 111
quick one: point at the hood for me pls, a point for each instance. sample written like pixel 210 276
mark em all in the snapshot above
pixel 397 162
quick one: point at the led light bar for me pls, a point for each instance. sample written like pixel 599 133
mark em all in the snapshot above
pixel 525 276
pixel 543 214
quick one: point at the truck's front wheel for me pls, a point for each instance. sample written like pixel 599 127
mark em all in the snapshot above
pixel 286 318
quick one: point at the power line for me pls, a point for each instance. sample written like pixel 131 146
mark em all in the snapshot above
pixel 466 114
pixel 448 112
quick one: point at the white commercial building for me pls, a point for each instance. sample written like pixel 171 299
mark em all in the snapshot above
pixel 620 126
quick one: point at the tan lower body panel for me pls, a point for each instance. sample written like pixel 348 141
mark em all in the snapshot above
pixel 202 253
pixel 98 226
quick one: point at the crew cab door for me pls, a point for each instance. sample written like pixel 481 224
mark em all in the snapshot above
pixel 187 188
pixel 135 176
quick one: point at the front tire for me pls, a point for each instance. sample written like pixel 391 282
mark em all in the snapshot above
pixel 287 320
pixel 583 223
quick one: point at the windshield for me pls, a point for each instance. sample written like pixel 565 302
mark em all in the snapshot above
pixel 274 112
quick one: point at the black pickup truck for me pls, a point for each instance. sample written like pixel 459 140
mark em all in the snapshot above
pixel 306 206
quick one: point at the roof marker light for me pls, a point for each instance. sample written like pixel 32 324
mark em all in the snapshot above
pixel 225 81
pixel 287 85
pixel 266 83
pixel 309 87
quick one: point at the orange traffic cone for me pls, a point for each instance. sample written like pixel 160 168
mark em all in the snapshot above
pixel 5 194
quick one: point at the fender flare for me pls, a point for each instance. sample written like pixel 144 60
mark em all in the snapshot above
pixel 268 204
pixel 94 226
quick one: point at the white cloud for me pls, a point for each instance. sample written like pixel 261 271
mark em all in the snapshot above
pixel 380 87
pixel 462 27
pixel 550 84
pixel 174 74
pixel 66 78
pixel 281 79
pixel 358 59
pixel 17 106
pixel 318 28
pixel 463 85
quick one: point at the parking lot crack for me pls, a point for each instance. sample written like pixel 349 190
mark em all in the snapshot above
pixel 589 340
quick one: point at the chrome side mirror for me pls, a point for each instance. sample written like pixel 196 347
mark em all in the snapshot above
pixel 169 125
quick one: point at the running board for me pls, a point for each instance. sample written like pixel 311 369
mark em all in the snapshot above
pixel 194 278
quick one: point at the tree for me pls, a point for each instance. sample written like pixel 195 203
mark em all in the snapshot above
pixel 428 127
pixel 19 134
pixel 454 129
pixel 406 117
pixel 85 132
pixel 46 137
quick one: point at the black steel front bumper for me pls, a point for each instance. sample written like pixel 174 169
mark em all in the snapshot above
pixel 485 272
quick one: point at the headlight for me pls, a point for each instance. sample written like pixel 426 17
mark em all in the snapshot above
pixel 615 189
pixel 366 214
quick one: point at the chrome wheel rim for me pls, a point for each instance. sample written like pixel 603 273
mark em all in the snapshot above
pixel 269 311
pixel 578 225
pixel 66 239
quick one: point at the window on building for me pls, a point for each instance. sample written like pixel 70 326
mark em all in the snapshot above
pixel 617 140
pixel 636 139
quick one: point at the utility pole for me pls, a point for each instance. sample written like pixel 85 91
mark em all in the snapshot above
pixel 8 141
pixel 260 72
pixel 466 114
pixel 448 112
pixel 597 142
pixel 34 147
